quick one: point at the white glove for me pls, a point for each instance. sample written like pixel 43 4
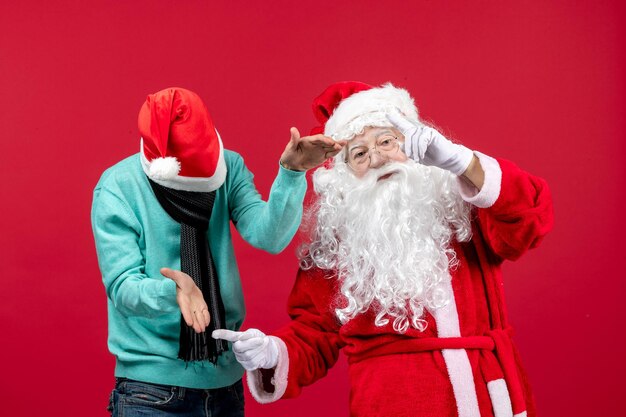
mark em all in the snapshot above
pixel 252 348
pixel 429 147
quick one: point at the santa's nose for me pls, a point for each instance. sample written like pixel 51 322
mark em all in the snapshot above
pixel 376 159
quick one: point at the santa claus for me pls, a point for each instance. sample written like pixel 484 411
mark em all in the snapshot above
pixel 402 269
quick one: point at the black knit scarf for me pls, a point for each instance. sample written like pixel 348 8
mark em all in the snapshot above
pixel 193 211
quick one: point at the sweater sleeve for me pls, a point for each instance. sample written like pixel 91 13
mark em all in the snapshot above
pixel 116 232
pixel 514 208
pixel 308 346
pixel 268 225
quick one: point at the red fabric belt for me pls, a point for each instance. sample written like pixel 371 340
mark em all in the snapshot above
pixel 498 341
pixel 424 345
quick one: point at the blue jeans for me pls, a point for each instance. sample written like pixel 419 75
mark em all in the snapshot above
pixel 133 399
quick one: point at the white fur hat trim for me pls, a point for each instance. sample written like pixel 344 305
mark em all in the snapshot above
pixel 368 109
pixel 179 182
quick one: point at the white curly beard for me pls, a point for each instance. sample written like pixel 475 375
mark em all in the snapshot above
pixel 388 240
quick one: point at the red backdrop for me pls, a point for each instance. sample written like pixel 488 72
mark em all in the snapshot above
pixel 541 83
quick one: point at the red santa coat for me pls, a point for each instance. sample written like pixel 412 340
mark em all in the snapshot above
pixel 464 364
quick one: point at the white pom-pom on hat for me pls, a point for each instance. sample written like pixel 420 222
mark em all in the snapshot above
pixel 164 168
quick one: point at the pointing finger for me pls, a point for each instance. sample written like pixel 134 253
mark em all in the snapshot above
pixel 251 333
pixel 228 335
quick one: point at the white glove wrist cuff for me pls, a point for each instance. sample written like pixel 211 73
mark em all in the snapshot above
pixel 490 191
pixel 465 156
pixel 272 353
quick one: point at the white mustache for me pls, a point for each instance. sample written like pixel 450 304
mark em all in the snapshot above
pixel 399 169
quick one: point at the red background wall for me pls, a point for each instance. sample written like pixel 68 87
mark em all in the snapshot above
pixel 541 83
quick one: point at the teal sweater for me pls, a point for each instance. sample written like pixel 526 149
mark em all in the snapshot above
pixel 135 238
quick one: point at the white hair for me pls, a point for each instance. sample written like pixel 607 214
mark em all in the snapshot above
pixel 388 242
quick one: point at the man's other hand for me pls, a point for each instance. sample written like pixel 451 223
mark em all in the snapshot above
pixel 303 153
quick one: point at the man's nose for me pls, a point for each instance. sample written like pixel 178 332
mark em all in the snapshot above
pixel 376 159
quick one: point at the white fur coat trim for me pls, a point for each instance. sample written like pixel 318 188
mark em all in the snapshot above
pixel 490 192
pixel 457 361
pixel 255 384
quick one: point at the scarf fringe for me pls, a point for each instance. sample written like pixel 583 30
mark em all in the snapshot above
pixel 199 346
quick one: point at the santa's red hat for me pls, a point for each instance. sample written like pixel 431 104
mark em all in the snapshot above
pixel 346 108
pixel 180 147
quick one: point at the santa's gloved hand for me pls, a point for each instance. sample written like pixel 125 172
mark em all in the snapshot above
pixel 429 147
pixel 252 348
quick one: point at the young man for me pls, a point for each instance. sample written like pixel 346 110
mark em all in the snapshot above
pixel 402 270
pixel 161 221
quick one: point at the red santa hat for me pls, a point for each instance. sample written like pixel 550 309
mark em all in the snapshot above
pixel 180 147
pixel 346 108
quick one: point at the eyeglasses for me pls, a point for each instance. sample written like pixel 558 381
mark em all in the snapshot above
pixel 359 158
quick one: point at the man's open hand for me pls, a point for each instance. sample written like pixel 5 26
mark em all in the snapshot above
pixel 190 300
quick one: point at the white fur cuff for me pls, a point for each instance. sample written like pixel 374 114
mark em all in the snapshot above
pixel 255 383
pixel 490 192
